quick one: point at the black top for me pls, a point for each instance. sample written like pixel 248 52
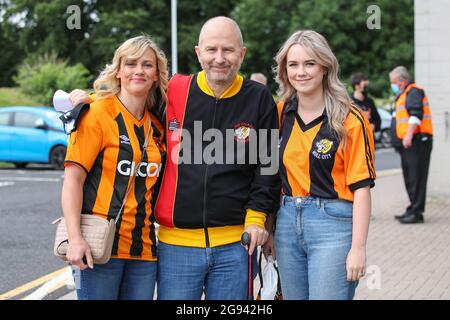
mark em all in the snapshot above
pixel 369 105
pixel 217 188
pixel 414 104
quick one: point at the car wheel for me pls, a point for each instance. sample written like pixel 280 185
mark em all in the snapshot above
pixel 57 157
pixel 385 139
pixel 20 165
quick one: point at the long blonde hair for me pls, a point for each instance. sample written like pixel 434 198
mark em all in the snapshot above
pixel 108 85
pixel 337 100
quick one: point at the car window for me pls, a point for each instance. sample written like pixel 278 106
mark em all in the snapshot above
pixel 25 120
pixel 4 118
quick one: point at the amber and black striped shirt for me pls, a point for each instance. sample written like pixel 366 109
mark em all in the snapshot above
pixel 313 162
pixel 108 145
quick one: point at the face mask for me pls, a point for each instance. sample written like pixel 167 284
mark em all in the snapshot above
pixel 395 89
pixel 365 90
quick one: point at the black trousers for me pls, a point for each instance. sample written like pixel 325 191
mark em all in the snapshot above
pixel 415 164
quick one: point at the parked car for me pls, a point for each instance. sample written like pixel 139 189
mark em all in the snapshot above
pixel 383 137
pixel 32 134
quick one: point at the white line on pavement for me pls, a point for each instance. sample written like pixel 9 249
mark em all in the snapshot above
pixel 32 172
pixel 6 184
pixel 31 179
pixel 385 150
pixel 31 285
pixel 64 279
pixel 28 172
pixel 388 173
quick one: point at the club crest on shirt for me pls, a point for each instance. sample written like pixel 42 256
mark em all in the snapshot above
pixel 242 132
pixel 174 125
pixel 322 149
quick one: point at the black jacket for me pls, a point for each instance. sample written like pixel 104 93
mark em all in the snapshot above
pixel 210 186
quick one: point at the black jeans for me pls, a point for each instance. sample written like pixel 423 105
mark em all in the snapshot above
pixel 415 164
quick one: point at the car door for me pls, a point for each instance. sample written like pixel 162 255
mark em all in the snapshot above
pixel 29 142
pixel 6 131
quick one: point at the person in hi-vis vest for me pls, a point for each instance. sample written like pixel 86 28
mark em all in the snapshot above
pixel 413 127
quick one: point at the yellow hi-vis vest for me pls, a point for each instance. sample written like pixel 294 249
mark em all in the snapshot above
pixel 402 115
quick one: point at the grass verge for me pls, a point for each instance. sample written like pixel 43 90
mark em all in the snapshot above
pixel 14 97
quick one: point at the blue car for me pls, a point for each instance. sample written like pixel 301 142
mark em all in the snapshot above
pixel 32 134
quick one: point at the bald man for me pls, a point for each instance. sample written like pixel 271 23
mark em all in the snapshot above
pixel 205 206
pixel 259 77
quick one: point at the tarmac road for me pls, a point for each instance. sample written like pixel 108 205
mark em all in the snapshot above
pixel 30 201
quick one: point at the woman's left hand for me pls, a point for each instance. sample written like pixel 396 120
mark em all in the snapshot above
pixel 356 264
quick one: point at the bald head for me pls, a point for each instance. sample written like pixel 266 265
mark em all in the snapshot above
pixel 221 25
pixel 259 77
pixel 220 51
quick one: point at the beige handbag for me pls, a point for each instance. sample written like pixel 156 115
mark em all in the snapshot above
pixel 98 232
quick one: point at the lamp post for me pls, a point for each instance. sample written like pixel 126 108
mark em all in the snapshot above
pixel 174 37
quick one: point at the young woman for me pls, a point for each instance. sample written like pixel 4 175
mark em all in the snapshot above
pixel 101 157
pixel 327 170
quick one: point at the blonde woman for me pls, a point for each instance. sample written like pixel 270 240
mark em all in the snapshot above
pixel 100 159
pixel 327 170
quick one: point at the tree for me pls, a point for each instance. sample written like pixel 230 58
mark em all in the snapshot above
pixel 11 54
pixel 265 26
pixel 191 16
pixel 116 21
pixel 42 27
pixel 374 52
pixel 40 78
pixel 31 28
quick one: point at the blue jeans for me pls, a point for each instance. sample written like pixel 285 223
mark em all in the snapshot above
pixel 119 279
pixel 185 273
pixel 312 239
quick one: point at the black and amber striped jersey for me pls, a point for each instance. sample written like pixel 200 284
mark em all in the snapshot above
pixel 108 146
pixel 314 162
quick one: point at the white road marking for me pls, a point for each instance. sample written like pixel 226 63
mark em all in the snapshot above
pixel 64 279
pixel 31 172
pixel 6 184
pixel 33 284
pixel 31 179
pixel 385 150
pixel 388 172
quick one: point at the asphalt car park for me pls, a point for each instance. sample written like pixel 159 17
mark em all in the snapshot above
pixel 30 202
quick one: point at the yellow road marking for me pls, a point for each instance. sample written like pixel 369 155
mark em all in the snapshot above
pixel 31 285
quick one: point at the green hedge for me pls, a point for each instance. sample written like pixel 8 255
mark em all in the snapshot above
pixel 40 78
